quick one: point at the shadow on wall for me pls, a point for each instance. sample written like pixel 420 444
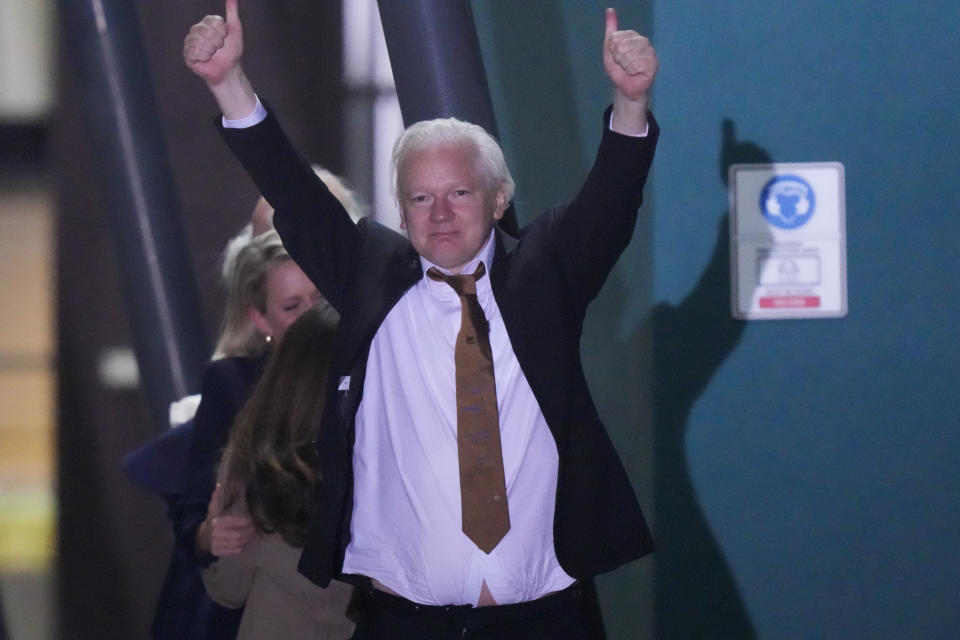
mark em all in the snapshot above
pixel 696 595
pixel 652 379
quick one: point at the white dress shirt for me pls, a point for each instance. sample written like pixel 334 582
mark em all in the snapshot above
pixel 406 526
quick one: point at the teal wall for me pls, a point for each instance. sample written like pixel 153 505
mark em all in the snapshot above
pixel 803 477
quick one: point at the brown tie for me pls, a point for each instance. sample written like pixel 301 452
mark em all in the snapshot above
pixel 483 492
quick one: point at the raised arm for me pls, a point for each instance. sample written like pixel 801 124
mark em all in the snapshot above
pixel 593 230
pixel 315 228
pixel 212 50
pixel 631 64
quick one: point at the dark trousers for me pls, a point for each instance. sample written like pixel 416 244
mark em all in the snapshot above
pixel 571 614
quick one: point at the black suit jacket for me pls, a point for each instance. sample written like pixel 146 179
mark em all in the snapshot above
pixel 542 280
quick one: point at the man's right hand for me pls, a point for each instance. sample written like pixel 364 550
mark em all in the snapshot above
pixel 212 50
pixel 213 46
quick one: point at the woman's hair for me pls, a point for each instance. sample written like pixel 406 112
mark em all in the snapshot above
pixel 248 258
pixel 270 460
pixel 450 131
pixel 247 262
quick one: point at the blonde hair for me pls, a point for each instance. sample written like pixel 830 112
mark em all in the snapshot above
pixel 245 277
pixel 248 258
pixel 230 252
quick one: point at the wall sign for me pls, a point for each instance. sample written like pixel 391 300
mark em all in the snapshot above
pixel 788 251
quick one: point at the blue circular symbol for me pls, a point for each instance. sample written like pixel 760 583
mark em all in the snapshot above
pixel 787 201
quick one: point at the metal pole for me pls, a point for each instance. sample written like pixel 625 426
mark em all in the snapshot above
pixel 437 66
pixel 160 293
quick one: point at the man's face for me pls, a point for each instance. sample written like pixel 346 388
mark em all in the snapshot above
pixel 446 206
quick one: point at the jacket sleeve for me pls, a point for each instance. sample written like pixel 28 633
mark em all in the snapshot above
pixel 591 232
pixel 228 580
pixel 315 228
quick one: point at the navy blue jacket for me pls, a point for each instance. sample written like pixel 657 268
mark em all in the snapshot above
pixel 184 611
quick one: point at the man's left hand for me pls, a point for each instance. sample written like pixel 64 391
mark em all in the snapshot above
pixel 629 60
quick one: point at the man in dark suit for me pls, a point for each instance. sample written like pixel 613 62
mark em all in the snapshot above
pixel 396 514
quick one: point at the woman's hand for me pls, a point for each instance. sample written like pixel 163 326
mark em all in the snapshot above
pixel 223 535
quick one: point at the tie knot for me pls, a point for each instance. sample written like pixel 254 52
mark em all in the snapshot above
pixel 462 283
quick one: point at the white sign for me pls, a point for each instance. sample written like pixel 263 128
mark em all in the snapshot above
pixel 788 248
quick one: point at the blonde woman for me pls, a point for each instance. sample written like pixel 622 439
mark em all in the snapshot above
pixel 266 292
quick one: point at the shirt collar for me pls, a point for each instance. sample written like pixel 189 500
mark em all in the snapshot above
pixel 443 291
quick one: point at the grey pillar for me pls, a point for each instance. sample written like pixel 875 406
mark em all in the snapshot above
pixel 160 293
pixel 437 65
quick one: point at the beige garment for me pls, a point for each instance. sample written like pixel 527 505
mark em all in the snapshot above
pixel 280 602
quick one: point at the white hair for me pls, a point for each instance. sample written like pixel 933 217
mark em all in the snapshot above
pixel 451 131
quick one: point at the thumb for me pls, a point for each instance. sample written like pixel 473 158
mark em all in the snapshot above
pixel 214 508
pixel 611 17
pixel 232 15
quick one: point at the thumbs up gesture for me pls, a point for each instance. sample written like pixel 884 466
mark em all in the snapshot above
pixel 212 50
pixel 213 47
pixel 629 60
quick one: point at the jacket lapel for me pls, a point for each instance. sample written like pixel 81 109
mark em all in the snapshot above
pixel 388 267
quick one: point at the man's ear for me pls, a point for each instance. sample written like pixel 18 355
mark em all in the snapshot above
pixel 500 204
pixel 260 321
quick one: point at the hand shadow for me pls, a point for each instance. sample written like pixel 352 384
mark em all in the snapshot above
pixel 696 595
